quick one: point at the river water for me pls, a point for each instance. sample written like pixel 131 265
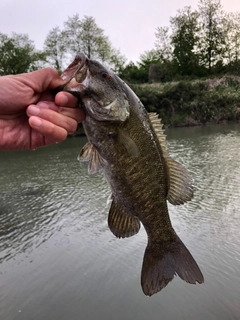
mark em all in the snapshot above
pixel 58 259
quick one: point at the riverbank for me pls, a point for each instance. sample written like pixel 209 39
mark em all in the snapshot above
pixel 193 102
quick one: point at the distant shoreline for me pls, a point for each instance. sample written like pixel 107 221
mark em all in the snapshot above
pixel 191 103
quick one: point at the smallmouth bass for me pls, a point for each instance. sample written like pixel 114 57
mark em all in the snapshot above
pixel 129 145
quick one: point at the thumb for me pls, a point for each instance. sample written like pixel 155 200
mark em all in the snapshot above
pixel 42 79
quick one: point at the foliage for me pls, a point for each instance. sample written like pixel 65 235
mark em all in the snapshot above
pixel 212 37
pixel 232 24
pixel 163 44
pixel 139 73
pixel 86 37
pixel 133 74
pixel 193 103
pixel 55 49
pixel 198 43
pixel 81 36
pixel 185 39
pixel 18 54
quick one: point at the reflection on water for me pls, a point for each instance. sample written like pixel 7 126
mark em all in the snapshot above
pixel 58 260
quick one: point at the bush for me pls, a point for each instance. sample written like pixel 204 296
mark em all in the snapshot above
pixel 193 102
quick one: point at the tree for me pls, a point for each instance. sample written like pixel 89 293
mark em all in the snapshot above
pixel 132 73
pixel 232 27
pixel 212 35
pixel 86 37
pixel 18 54
pixel 72 34
pixel 184 40
pixel 163 44
pixel 116 60
pixel 82 36
pixel 147 59
pixel 55 48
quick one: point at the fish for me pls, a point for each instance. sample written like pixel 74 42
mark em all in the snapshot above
pixel 129 145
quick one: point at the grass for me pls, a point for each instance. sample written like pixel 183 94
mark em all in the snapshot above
pixel 187 103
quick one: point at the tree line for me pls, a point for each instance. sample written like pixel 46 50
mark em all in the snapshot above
pixel 18 53
pixel 197 43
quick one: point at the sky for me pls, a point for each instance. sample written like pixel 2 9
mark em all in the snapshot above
pixel 129 24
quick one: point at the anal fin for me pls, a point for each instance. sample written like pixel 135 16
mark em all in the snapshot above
pixel 121 223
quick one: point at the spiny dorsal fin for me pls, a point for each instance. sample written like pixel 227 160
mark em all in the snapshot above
pixel 121 223
pixel 157 126
pixel 180 187
pixel 90 154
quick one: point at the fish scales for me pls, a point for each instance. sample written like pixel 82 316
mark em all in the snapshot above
pixel 129 146
pixel 137 184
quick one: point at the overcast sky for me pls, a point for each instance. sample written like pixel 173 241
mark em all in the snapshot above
pixel 129 24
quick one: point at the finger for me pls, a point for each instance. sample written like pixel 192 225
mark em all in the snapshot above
pixel 49 130
pixel 42 79
pixel 56 118
pixel 65 99
pixel 47 105
pixel 74 113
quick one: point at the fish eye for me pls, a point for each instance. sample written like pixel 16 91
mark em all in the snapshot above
pixel 105 75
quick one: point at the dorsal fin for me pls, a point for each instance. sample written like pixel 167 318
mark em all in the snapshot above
pixel 157 126
pixel 90 154
pixel 180 187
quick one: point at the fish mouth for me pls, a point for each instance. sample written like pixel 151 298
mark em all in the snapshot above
pixel 74 69
pixel 74 75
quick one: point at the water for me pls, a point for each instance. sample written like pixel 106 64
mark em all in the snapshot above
pixel 58 260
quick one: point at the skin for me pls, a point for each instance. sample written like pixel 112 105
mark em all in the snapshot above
pixel 30 115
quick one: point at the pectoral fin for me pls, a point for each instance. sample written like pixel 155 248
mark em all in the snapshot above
pixel 90 154
pixel 121 223
pixel 180 187
pixel 128 143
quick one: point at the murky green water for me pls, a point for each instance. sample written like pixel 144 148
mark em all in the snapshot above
pixel 58 260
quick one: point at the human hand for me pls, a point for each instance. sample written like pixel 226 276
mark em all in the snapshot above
pixel 30 115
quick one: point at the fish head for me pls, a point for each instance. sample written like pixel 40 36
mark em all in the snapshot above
pixel 100 91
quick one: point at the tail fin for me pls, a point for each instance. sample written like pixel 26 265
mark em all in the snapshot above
pixel 163 260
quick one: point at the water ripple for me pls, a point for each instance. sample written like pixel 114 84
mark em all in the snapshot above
pixel 59 258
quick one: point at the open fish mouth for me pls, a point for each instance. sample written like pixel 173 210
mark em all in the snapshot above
pixel 74 69
pixel 74 75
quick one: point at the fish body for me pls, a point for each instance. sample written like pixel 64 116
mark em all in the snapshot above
pixel 129 145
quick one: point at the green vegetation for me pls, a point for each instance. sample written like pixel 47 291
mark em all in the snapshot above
pixel 18 54
pixel 84 36
pixel 169 79
pixel 197 44
pixel 187 103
